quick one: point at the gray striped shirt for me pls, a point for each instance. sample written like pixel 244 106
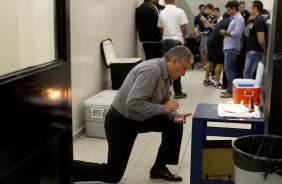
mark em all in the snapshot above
pixel 145 91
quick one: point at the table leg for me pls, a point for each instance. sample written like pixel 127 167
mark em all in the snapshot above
pixel 196 151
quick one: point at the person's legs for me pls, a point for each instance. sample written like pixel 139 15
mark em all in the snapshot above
pixel 208 70
pixel 121 135
pixel 240 64
pixel 202 50
pixel 252 59
pixel 177 86
pixel 230 56
pixel 152 50
pixel 218 70
pixel 147 50
pixel 168 44
pixel 218 58
pixel 224 79
pixel 157 47
pixel 171 139
pixel 213 71
pixel 207 81
pixel 169 149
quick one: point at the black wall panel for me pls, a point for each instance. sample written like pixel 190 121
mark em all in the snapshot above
pixel 272 89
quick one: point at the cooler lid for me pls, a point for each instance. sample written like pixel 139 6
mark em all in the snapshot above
pixel 109 56
pixel 107 51
pixel 245 83
pixel 126 60
pixel 104 98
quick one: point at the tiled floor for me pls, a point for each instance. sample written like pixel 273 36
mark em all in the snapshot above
pixel 146 145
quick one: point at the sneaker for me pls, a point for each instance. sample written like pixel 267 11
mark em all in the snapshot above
pixel 198 65
pixel 226 95
pixel 180 95
pixel 223 92
pixel 202 69
pixel 207 83
pixel 218 86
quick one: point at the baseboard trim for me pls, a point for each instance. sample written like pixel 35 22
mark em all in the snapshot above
pixel 78 133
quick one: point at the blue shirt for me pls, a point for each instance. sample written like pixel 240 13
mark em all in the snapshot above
pixel 236 29
pixel 197 21
pixel 213 20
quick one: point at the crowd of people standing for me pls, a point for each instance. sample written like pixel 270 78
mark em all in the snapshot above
pixel 231 44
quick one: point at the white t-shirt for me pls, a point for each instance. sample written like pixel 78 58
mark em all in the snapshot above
pixel 170 19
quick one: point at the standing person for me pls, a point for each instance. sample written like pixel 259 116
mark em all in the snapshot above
pixel 199 29
pixel 240 63
pixel 146 19
pixel 215 53
pixel 216 13
pixel 231 43
pixel 224 77
pixel 209 21
pixel 142 105
pixel 256 43
pixel 242 9
pixel 159 6
pixel 173 26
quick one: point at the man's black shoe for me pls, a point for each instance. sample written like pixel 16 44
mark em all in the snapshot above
pixel 180 95
pixel 164 174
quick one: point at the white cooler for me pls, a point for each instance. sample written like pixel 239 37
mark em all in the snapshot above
pixel 95 110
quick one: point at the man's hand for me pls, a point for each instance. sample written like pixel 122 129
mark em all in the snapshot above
pixel 181 118
pixel 202 34
pixel 171 105
pixel 203 19
pixel 223 32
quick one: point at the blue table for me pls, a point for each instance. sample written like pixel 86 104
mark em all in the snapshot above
pixel 208 113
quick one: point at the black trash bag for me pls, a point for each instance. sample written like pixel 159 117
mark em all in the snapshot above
pixel 258 153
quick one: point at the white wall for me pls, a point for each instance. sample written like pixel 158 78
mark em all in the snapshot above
pixel 91 22
pixel 267 4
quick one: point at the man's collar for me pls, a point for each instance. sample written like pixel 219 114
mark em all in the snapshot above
pixel 164 68
pixel 236 15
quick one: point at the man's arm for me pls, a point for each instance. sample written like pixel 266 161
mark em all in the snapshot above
pixel 237 32
pixel 195 22
pixel 262 41
pixel 239 28
pixel 184 31
pixel 205 21
pixel 160 25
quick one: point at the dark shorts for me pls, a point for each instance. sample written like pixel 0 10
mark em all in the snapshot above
pixel 215 55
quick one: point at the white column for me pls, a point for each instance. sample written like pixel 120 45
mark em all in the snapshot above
pixel 161 2
pixel 267 4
